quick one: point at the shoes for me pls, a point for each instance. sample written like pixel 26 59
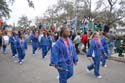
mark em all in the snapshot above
pixel 16 55
pixel 13 56
pixel 88 71
pixel 57 77
pixel 23 60
pixel 105 66
pixel 20 63
pixel 99 77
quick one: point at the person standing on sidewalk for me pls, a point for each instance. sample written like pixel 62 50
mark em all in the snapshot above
pixel 111 42
pixel 5 41
pixel 76 41
pixel 64 56
pixel 84 40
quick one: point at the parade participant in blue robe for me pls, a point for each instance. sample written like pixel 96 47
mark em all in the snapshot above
pixel 94 53
pixel 12 41
pixel 51 40
pixel 44 44
pixel 105 54
pixel 64 56
pixel 35 41
pixel 21 47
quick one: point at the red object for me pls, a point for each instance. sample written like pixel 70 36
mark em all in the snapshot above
pixel 1 23
pixel 66 41
pixel 84 38
pixel 45 30
pixel 52 28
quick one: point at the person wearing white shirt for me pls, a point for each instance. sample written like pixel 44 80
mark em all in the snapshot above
pixel 5 40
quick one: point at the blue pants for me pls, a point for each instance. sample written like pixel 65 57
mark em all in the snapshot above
pixel 44 51
pixel 95 66
pixel 65 75
pixel 21 54
pixel 34 49
pixel 4 49
pixel 103 59
pixel 14 51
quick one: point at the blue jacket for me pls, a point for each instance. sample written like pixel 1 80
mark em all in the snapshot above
pixel 35 41
pixel 61 54
pixel 94 47
pixel 22 45
pixel 12 41
pixel 105 44
pixel 45 41
pixel 51 40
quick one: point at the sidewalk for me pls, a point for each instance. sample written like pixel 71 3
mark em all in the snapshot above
pixel 115 57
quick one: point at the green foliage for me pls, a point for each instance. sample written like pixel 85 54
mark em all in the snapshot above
pixel 119 36
pixel 4 9
pixel 110 11
pixel 23 22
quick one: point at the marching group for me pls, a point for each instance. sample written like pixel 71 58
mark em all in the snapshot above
pixel 65 47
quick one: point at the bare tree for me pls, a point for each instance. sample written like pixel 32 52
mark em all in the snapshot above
pixel 110 11
pixel 23 22
pixel 113 12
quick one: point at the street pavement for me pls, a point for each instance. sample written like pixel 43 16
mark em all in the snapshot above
pixel 36 70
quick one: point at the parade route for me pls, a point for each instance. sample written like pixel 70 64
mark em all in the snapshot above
pixel 36 70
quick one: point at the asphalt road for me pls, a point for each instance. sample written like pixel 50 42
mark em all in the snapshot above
pixel 36 70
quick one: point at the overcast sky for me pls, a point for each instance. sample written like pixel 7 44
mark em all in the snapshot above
pixel 20 7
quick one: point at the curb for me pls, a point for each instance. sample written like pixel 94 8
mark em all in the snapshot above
pixel 118 59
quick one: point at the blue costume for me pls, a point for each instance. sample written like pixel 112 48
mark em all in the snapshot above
pixel 35 42
pixel 21 47
pixel 64 57
pixel 45 44
pixel 51 40
pixel 12 41
pixel 97 50
pixel 106 52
